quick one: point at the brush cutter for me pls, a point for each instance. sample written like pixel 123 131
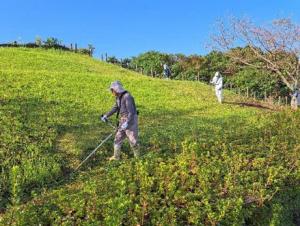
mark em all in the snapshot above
pixel 103 141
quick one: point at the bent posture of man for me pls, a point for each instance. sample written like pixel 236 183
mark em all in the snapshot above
pixel 218 82
pixel 128 122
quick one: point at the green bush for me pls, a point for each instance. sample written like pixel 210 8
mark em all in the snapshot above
pixel 259 82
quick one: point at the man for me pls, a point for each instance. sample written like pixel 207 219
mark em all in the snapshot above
pixel 166 71
pixel 218 82
pixel 128 123
pixel 295 102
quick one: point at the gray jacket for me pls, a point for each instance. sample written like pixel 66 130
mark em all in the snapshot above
pixel 126 105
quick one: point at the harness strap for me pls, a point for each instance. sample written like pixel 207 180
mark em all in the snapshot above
pixel 119 107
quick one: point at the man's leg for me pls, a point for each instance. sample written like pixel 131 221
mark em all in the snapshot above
pixel 119 139
pixel 217 94
pixel 220 95
pixel 132 134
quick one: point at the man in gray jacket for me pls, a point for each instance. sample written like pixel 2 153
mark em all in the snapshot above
pixel 128 122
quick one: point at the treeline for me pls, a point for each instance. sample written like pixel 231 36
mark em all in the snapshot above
pixel 202 68
pixel 51 43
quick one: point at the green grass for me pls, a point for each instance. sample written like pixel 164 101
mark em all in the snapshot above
pixel 202 162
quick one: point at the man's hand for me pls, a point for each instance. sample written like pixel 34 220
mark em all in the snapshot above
pixel 104 118
pixel 124 126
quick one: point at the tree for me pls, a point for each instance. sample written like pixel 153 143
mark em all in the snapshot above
pixel 151 62
pixel 126 62
pixel 274 47
pixel 215 61
pixel 187 68
pixel 51 41
pixel 113 60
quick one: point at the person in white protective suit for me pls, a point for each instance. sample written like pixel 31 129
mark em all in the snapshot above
pixel 295 102
pixel 217 81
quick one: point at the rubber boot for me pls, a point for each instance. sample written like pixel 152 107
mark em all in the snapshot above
pixel 117 153
pixel 136 151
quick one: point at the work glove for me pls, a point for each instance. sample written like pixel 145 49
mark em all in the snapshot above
pixel 124 126
pixel 104 118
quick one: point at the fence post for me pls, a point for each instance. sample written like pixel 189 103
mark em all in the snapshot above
pixel 265 95
pixel 105 57
pixel 75 47
pixel 136 67
pixel 286 100
pixel 71 46
pixel 279 100
pixel 247 92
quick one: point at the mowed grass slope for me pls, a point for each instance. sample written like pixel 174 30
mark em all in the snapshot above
pixel 203 163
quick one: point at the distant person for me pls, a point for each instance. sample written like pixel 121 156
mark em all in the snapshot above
pixel 128 122
pixel 295 102
pixel 217 81
pixel 166 71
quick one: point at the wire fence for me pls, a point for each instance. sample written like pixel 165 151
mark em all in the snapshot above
pixel 259 96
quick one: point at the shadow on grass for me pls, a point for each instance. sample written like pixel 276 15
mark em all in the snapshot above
pixel 247 104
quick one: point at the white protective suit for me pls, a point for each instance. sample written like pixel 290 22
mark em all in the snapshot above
pixel 297 94
pixel 218 82
pixel 296 99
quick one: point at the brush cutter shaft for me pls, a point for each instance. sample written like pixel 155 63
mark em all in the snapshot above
pixel 111 125
pixel 109 136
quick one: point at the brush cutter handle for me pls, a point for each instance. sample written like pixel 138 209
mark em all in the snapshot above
pixel 104 119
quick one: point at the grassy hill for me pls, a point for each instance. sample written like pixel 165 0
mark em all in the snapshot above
pixel 203 163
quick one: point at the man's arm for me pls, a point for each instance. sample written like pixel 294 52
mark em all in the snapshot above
pixel 213 81
pixel 219 81
pixel 112 111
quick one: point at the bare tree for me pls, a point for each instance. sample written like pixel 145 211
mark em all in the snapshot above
pixel 274 47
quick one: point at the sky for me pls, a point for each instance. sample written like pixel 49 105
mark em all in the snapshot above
pixel 126 28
